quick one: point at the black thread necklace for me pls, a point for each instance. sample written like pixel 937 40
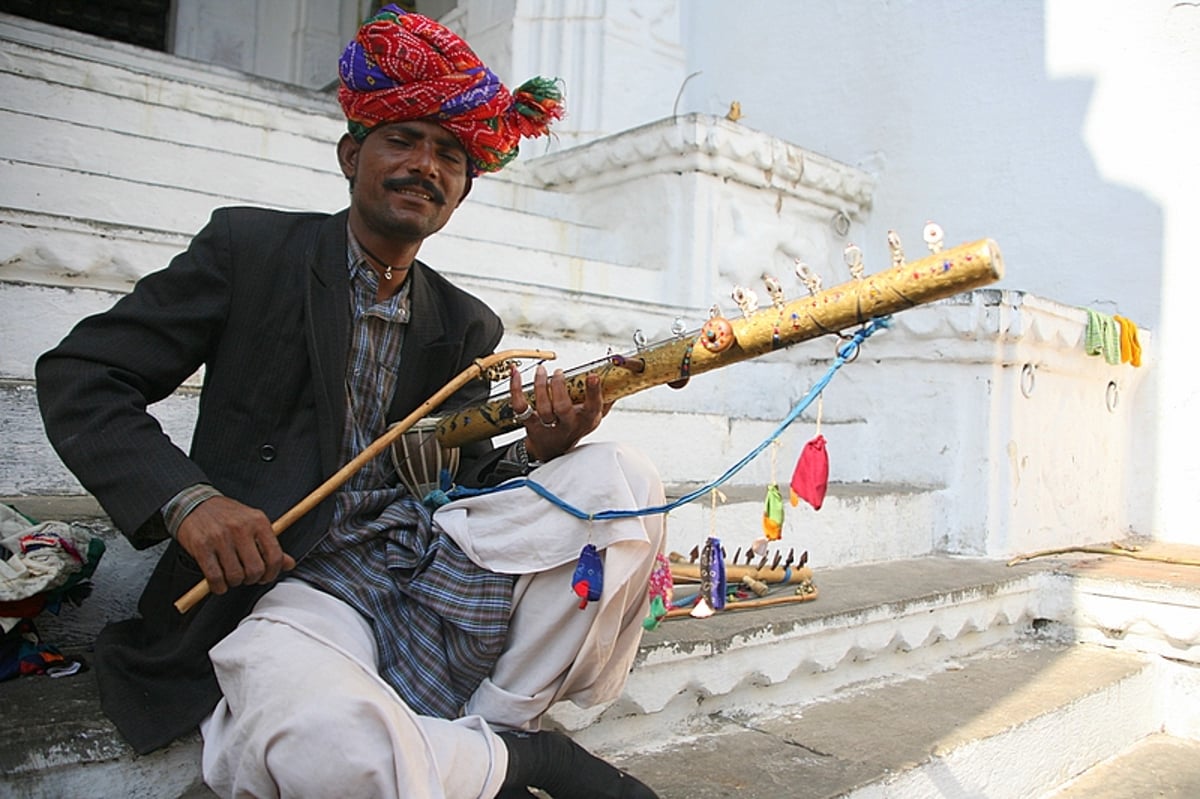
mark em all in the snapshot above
pixel 387 268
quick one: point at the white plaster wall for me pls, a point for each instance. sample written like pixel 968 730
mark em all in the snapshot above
pixel 620 61
pixel 1064 129
pixel 295 41
pixel 144 145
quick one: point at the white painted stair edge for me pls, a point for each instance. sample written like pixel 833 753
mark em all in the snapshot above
pixel 1043 747
pixel 780 664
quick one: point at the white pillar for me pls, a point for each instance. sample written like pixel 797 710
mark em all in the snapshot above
pixel 622 62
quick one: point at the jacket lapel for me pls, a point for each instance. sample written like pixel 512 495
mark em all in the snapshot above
pixel 426 355
pixel 328 331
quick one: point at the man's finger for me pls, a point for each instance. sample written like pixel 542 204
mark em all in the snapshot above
pixel 274 558
pixel 213 573
pixel 516 395
pixel 231 567
pixel 251 561
pixel 593 396
pixel 543 402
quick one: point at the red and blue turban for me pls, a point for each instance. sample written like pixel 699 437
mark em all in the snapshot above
pixel 402 66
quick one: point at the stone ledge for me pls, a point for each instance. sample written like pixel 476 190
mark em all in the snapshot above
pixel 55 743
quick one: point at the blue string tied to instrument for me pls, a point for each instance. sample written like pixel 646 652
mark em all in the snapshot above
pixel 588 579
pixel 441 495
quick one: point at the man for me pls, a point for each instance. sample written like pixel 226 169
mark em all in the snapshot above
pixel 373 649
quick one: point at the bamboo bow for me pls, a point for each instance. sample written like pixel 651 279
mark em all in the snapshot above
pixel 476 370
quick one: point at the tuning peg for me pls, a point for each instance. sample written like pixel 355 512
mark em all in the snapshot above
pixel 737 555
pixel 895 248
pixel 695 553
pixel 746 299
pixel 791 558
pixel 803 559
pixel 775 561
pixel 775 290
pixel 853 257
pixel 933 236
pixel 678 327
pixel 810 279
pixel 639 339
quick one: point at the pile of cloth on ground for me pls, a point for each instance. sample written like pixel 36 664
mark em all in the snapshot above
pixel 42 566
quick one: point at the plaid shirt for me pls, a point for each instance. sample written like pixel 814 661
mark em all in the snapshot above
pixel 440 621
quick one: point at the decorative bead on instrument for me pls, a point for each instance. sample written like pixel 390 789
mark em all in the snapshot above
pixel 717 334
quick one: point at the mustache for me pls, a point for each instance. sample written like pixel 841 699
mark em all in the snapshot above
pixel 395 184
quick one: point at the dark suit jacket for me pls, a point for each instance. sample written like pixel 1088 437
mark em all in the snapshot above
pixel 261 300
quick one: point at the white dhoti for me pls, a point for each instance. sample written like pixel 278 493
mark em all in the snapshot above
pixel 305 713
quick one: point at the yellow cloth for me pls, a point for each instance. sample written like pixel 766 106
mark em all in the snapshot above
pixel 1131 348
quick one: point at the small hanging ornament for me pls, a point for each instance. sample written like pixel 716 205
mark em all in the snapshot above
pixel 773 513
pixel 773 507
pixel 662 590
pixel 716 569
pixel 810 478
pixel 588 581
pixel 712 580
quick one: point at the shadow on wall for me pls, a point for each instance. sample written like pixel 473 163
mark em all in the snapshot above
pixel 951 108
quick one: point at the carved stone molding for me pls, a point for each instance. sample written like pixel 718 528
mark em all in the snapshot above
pixel 709 145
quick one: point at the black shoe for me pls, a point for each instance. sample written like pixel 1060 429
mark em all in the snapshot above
pixel 562 768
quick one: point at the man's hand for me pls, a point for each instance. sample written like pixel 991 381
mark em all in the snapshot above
pixel 233 544
pixel 557 423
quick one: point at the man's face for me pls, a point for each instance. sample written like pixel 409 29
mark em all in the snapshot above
pixel 407 178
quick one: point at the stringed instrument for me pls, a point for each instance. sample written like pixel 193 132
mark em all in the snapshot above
pixel 718 343
pixel 721 341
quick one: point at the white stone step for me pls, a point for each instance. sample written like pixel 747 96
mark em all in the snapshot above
pixel 1016 720
pixel 940 677
pixel 868 622
pixel 1159 766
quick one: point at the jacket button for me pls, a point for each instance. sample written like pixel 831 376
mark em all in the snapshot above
pixel 266 452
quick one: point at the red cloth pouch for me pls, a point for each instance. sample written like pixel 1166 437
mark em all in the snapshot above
pixel 810 478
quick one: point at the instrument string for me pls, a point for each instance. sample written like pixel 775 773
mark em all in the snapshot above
pixel 845 353
pixel 501 391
